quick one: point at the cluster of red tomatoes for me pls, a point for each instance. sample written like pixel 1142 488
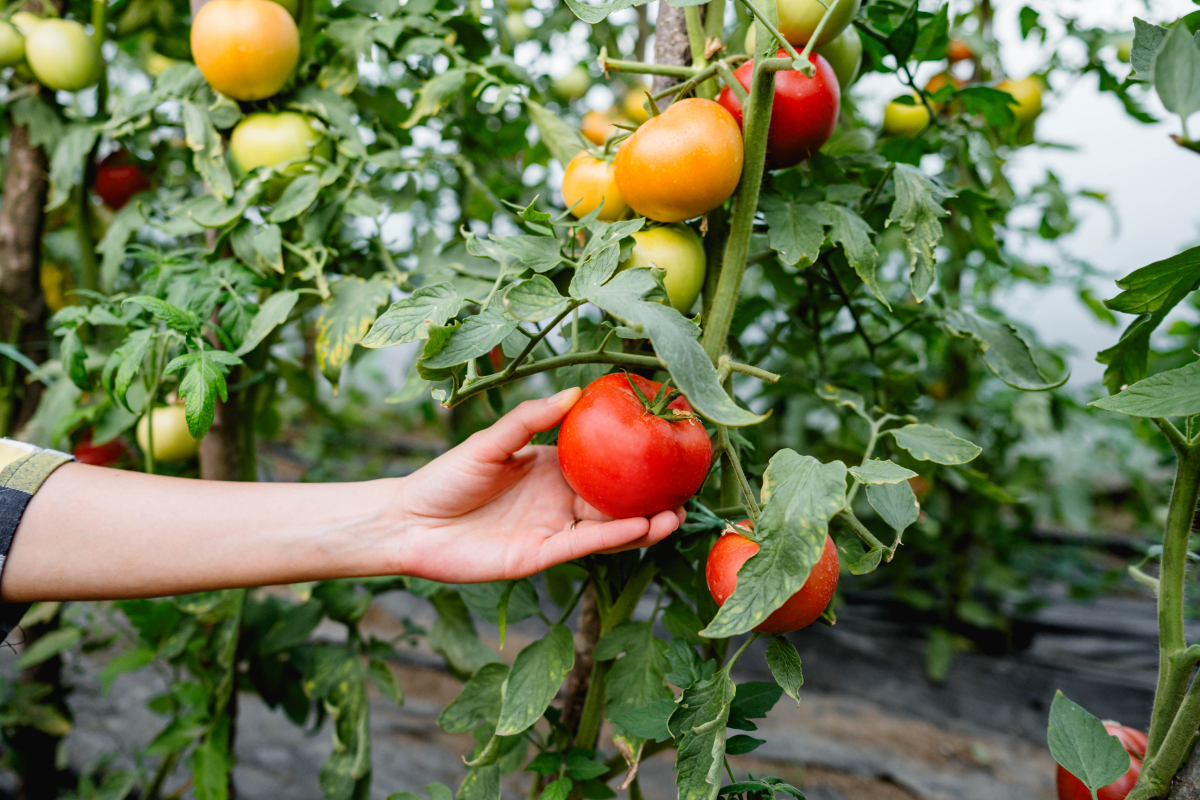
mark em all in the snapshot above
pixel 631 448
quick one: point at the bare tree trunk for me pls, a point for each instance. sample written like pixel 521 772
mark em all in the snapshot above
pixel 671 44
pixel 22 307
pixel 1186 784
pixel 581 675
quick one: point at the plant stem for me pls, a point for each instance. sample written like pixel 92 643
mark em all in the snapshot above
pixel 871 441
pixel 695 30
pixel 574 601
pixel 863 532
pixel 730 452
pixel 732 82
pixel 669 70
pixel 734 658
pixel 771 28
pixel 747 369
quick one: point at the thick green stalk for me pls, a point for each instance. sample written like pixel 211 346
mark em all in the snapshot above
pixel 745 202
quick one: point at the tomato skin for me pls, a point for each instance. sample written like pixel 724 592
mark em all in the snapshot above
pixel 905 120
pixel 801 609
pixel 799 18
pixel 62 55
pixel 634 106
pixel 589 181
pixel 574 84
pixel 678 250
pixel 804 112
pixel 118 180
pixel 682 163
pixel 172 441
pixel 625 461
pixel 268 140
pixel 958 50
pixel 12 45
pixel 1134 742
pixel 100 455
pixel 1028 94
pixel 596 127
pixel 246 49
pixel 844 54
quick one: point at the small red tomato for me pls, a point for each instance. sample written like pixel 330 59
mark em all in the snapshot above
pixel 100 455
pixel 801 609
pixel 1134 742
pixel 625 460
pixel 957 50
pixel 803 114
pixel 118 179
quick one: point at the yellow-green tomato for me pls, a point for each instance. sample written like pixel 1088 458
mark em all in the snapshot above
pixel 519 5
pixel 25 22
pixel 268 140
pixel 900 119
pixel 1028 94
pixel 62 55
pixel 518 28
pixel 678 250
pixel 1124 49
pixel 172 441
pixel 844 54
pixel 574 84
pixel 12 45
pixel 798 20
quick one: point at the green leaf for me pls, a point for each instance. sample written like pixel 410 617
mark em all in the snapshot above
pixel 754 700
pixel 1177 72
pixel 877 471
pixel 581 767
pixel 43 123
pixel 698 725
pixel 129 661
pixel 675 341
pixel 895 503
pixel 201 385
pixel 639 678
pixel 931 443
pixel 562 140
pixel 48 646
pixel 345 317
pixel 800 495
pixel 175 317
pixel 209 212
pixel 538 253
pixel 210 771
pixel 918 212
pixel 784 662
pixel 1173 393
pixel 845 398
pixel 795 229
pixel 1079 742
pixel 273 313
pixel 128 221
pixel 536 675
pixel 127 361
pixel 484 599
pixel 435 93
pixel 558 790
pixel 741 744
pixel 481 783
pixel 296 198
pixel 293 628
pixel 476 336
pixel 1147 39
pixel 1160 285
pixel 591 14
pixel 686 667
pixel 411 319
pixel 385 681
pixel 69 162
pixel 74 359
pixel 479 701
pixel 454 636
pixel 647 722
pixel 1005 352
pixel 853 233
pixel 208 151
pixel 259 247
pixel 534 300
pixel 597 268
pixel 866 563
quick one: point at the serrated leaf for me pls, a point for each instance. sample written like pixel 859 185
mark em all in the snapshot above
pixel 647 722
pixel 1005 353
pixel 867 562
pixel 844 397
pixel 175 317
pixel 434 94
pixel 754 700
pixel 126 361
pixel 1172 393
pixel 296 198
pixel 597 268
pixel 208 152
pixel 795 230
pixel 74 359
pixel 536 675
pixel 638 678
pixel 918 212
pixel 853 233
pixel 591 14
pixel 698 725
pixel 800 495
pixel 563 141
pixel 385 681
pixel 273 313
pixel 535 300
pixel 538 253
pixel 454 636
pixel 931 443
pixel 69 162
pixel 1147 39
pixel 259 247
pixel 1177 72
pixel 475 337
pixel 784 662
pixel 201 385
pixel 1079 742
pixel 345 317
pixel 878 471
pixel 895 503
pixel 484 599
pixel 412 318
pixel 478 703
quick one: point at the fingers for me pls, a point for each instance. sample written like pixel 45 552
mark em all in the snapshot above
pixel 514 430
pixel 591 537
pixel 661 526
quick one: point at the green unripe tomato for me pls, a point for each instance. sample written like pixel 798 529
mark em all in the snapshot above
pixel 905 120
pixel 844 54
pixel 518 28
pixel 172 440
pixel 1028 94
pixel 1124 49
pixel 12 45
pixel 574 84
pixel 519 5
pixel 678 250
pixel 799 18
pixel 25 22
pixel 268 140
pixel 62 55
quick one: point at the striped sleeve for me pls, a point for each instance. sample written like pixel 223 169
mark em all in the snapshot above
pixel 23 469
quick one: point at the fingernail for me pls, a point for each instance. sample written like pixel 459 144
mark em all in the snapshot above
pixel 563 395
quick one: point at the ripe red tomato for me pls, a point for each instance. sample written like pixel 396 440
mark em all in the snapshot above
pixel 683 163
pixel 100 455
pixel 626 461
pixel 803 114
pixel 1134 742
pixel 801 609
pixel 118 179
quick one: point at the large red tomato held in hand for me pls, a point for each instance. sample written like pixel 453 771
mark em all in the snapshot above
pixel 118 179
pixel 801 609
pixel 1134 742
pixel 626 461
pixel 803 114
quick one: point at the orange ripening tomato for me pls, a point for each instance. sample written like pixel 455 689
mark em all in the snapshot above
pixel 682 163
pixel 597 127
pixel 801 609
pixel 246 49
pixel 958 51
pixel 588 181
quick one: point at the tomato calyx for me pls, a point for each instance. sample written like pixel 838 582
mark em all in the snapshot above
pixel 658 405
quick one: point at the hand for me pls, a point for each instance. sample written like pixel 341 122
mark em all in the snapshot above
pixel 497 508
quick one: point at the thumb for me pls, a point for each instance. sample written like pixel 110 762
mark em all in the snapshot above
pixel 514 430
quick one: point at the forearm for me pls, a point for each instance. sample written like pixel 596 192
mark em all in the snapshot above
pixel 94 533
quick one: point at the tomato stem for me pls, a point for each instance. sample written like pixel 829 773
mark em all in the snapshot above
pixel 807 67
pixel 637 67
pixel 732 82
pixel 863 532
pixel 769 24
pixel 730 452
